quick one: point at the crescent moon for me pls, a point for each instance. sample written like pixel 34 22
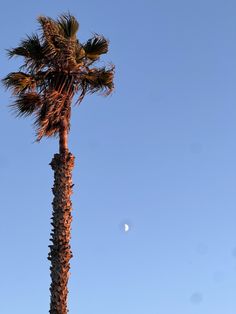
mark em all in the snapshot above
pixel 126 227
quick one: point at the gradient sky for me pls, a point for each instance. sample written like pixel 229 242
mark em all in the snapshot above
pixel 160 154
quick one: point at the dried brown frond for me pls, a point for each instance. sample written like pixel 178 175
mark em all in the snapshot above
pixel 26 104
pixel 19 82
pixel 55 107
pixel 100 80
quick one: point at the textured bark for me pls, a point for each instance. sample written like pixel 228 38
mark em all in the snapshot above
pixel 63 135
pixel 60 250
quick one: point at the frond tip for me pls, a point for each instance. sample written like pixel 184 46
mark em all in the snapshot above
pixel 97 80
pixel 96 46
pixel 26 104
pixel 68 25
pixel 19 82
pixel 101 80
pixel 30 47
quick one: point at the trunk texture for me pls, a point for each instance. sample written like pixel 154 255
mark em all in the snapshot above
pixel 63 137
pixel 60 250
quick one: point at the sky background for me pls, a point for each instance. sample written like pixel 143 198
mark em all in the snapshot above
pixel 159 154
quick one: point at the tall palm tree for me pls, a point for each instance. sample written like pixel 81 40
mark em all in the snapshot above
pixel 56 68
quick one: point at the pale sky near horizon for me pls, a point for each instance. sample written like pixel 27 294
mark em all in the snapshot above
pixel 159 154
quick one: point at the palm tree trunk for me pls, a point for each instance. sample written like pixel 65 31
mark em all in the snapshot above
pixel 63 136
pixel 60 250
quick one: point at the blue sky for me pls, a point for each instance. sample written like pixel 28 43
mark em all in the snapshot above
pixel 159 154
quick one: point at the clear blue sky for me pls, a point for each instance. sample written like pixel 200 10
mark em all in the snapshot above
pixel 160 154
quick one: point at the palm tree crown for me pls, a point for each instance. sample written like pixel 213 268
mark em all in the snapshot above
pixel 56 67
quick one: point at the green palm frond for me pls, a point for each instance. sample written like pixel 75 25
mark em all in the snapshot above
pixel 26 104
pixel 96 46
pixel 68 25
pixel 19 82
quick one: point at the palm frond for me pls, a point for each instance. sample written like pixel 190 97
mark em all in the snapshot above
pixel 96 80
pixel 18 51
pixel 49 27
pixel 68 25
pixel 51 37
pixel 100 80
pixel 32 50
pixel 26 104
pixel 59 40
pixel 19 82
pixel 96 46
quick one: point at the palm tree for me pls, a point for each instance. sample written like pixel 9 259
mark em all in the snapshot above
pixel 56 68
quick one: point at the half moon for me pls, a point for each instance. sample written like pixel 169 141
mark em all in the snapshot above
pixel 126 227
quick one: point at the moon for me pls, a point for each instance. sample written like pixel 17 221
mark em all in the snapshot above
pixel 126 227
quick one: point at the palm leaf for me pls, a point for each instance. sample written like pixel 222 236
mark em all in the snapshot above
pixel 31 49
pixel 19 82
pixel 96 80
pixel 26 104
pixel 100 80
pixel 68 25
pixel 96 46
pixel 51 37
pixel 49 27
